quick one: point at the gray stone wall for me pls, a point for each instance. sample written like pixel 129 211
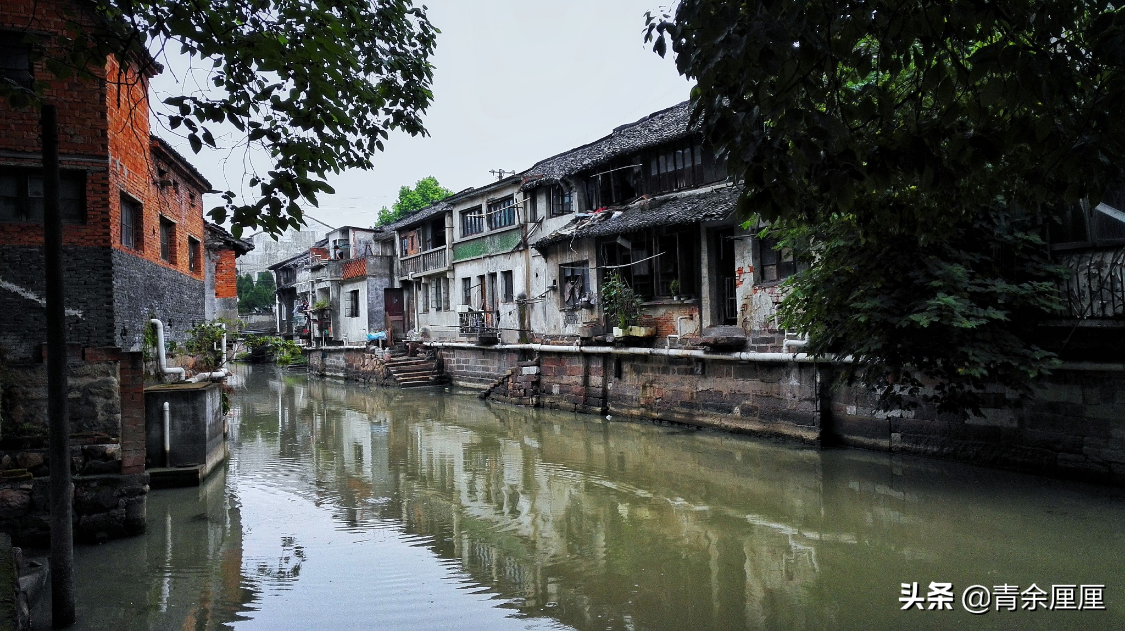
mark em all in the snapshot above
pixel 380 270
pixel 1074 426
pixel 89 299
pixel 142 290
pixel 94 401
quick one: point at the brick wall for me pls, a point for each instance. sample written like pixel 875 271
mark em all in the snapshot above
pixel 88 298
pixel 142 290
pixel 226 274
pixel 132 388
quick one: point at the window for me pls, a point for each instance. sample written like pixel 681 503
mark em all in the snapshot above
pixel 472 221
pixel 683 164
pixel 193 254
pixel 467 291
pixel 776 265
pixel 435 236
pixel 21 196
pixel 575 283
pixel 491 293
pixel 440 291
pixel 507 292
pixel 167 241
pixel 15 62
pixel 424 290
pixel 132 232
pixel 650 260
pixel 341 249
pixel 1083 225
pixel 502 213
pixel 532 201
pixel 351 305
pixel 561 202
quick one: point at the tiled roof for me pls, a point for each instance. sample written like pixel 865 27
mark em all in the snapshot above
pixel 656 128
pixel 217 235
pixel 687 207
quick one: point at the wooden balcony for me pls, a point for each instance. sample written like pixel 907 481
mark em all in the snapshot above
pixel 435 260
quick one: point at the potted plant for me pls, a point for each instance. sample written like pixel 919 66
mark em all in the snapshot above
pixel 622 308
pixel 674 288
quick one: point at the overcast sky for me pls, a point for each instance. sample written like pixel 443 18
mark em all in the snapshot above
pixel 515 81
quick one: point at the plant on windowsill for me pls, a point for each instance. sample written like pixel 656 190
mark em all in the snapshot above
pixel 622 308
pixel 321 304
pixel 674 288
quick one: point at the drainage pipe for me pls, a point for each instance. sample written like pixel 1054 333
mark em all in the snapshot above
pixel 167 434
pixel 222 371
pixel 742 356
pixel 164 369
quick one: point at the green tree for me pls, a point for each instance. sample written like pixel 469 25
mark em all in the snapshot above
pixel 919 150
pixel 318 85
pixel 247 300
pixel 425 191
pixel 264 291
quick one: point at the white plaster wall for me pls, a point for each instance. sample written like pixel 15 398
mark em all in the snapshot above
pixel 354 330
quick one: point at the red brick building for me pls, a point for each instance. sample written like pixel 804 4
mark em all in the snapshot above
pixel 134 248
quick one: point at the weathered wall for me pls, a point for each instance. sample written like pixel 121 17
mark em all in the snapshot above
pixel 88 299
pixel 94 401
pixel 142 290
pixel 1075 425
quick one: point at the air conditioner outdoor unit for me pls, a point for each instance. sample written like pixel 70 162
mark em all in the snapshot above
pixel 464 308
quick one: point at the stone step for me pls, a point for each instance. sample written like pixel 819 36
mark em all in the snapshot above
pixel 400 370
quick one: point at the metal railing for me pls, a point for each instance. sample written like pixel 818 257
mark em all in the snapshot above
pixel 482 324
pixel 1096 287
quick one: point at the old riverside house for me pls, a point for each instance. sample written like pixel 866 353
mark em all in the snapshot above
pixel 506 286
pixel 135 246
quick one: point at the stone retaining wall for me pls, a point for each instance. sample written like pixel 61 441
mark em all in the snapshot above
pixel 1074 427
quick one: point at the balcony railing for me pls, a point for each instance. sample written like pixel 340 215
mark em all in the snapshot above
pixel 428 261
pixel 484 325
pixel 1096 287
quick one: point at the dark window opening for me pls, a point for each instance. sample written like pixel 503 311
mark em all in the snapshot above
pixel 776 264
pixel 472 221
pixel 440 289
pixel 193 254
pixel 507 291
pixel 167 241
pixel 467 291
pixel 22 196
pixel 502 213
pixel 575 283
pixel 436 234
pixel 561 200
pixel 1085 225
pixel 15 61
pixel 132 232
pixel 532 206
pixel 491 293
pixel 351 306
pixel 656 263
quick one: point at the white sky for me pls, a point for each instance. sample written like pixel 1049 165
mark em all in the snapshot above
pixel 515 81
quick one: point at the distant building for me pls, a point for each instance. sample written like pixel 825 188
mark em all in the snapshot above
pixel 268 251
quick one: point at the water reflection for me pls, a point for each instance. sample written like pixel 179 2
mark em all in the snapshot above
pixel 356 508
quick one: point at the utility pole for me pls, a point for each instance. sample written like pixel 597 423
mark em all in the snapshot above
pixel 62 492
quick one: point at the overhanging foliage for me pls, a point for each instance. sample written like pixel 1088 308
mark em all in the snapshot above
pixel 919 151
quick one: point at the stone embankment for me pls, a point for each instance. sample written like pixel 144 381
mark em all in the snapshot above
pixel 1074 425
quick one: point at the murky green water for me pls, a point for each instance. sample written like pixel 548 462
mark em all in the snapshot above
pixel 346 508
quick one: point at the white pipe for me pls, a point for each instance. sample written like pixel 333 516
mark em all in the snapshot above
pixel 742 356
pixel 222 372
pixel 787 343
pixel 167 433
pixel 164 369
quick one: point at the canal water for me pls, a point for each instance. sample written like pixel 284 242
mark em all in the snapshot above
pixel 343 507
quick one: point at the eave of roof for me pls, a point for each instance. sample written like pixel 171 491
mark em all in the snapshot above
pixel 656 128
pixel 686 207
pixel 219 234
pixel 175 157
